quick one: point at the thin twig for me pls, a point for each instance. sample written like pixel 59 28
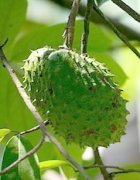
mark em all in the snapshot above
pixel 95 18
pixel 69 31
pixel 125 171
pixel 121 170
pixel 15 163
pixel 127 9
pixel 37 116
pixel 116 31
pixel 47 122
pixel 110 167
pixel 103 170
pixel 86 27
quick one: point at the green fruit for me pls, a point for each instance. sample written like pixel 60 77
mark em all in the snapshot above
pixel 78 95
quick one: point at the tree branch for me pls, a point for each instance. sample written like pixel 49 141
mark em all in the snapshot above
pixel 109 167
pixel 15 163
pixel 121 170
pixel 95 18
pixel 34 128
pixel 124 171
pixel 116 31
pixel 103 170
pixel 31 107
pixel 69 31
pixel 127 9
pixel 86 27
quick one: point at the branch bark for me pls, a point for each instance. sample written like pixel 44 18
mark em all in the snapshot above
pixel 31 107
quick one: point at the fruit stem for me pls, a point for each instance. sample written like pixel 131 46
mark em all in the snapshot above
pixel 99 161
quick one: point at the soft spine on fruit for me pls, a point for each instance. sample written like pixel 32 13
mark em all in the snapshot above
pixel 78 95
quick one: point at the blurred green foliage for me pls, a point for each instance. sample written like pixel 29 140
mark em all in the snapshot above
pixel 26 35
pixel 12 16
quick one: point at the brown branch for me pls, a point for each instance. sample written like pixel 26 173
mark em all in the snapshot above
pixel 33 129
pixel 69 31
pixel 30 153
pixel 95 18
pixel 127 9
pixel 103 170
pixel 86 27
pixel 31 107
pixel 116 31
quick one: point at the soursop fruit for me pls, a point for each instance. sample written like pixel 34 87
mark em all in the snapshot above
pixel 77 94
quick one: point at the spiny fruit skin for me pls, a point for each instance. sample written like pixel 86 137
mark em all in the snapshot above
pixel 78 95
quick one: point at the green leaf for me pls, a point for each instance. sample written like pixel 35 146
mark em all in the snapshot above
pixel 30 26
pixel 3 133
pixel 100 2
pixel 16 148
pixel 12 15
pixel 53 164
pixel 99 41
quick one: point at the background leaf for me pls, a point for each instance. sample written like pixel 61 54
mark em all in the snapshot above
pixel 53 164
pixel 99 41
pixel 12 15
pixel 3 133
pixel 11 116
pixel 28 169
